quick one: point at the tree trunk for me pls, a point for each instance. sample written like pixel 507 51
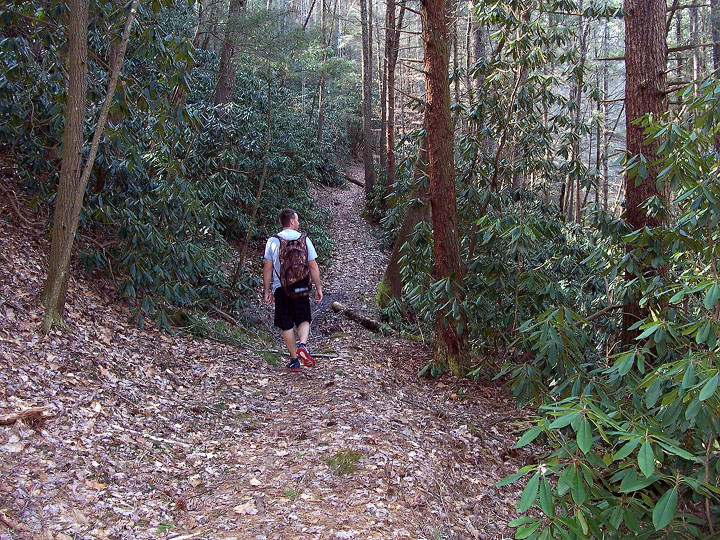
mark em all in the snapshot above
pixel 695 42
pixel 72 184
pixel 177 97
pixel 414 214
pixel 383 110
pixel 228 70
pixel 211 30
pixel 367 98
pixel 645 91
pixel 605 133
pixel 451 347
pixel 715 29
pixel 392 46
pixel 577 158
pixel 321 84
pixel 63 231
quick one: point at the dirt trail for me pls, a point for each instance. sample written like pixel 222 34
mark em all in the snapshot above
pixel 164 436
pixel 358 262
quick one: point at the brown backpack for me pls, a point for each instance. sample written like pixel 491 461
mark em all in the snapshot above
pixel 294 270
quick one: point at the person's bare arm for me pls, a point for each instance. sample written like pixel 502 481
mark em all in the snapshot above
pixel 267 282
pixel 315 275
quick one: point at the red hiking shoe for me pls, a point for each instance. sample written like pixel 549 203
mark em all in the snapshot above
pixel 305 356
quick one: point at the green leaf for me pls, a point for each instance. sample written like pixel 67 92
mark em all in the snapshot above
pixel 546 499
pixel 709 389
pixel 703 333
pixel 689 378
pixel 529 436
pixel 526 530
pixel 564 420
pixel 693 409
pixel 529 493
pixel 515 476
pixel 711 297
pixel 665 509
pixel 674 449
pixel 646 459
pixel 581 520
pixel 633 482
pixel 649 330
pixel 585 436
pixel 653 392
pixel 578 490
pixel 627 449
pixel 522 520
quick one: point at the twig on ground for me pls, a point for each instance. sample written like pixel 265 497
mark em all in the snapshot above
pixel 153 438
pixel 15 204
pixel 275 351
pixel 7 523
pixel 34 416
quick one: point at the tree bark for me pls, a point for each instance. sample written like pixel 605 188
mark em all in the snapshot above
pixel 414 214
pixel 321 84
pixel 228 70
pixel 450 344
pixel 605 134
pixel 367 98
pixel 177 98
pixel 715 29
pixel 645 92
pixel 392 47
pixel 71 188
pixel 577 92
pixel 64 226
pixel 368 323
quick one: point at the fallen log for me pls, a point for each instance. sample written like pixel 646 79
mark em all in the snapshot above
pixel 368 323
pixel 34 417
pixel 354 180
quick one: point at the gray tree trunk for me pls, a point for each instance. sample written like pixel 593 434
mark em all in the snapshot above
pixel 366 29
pixel 225 87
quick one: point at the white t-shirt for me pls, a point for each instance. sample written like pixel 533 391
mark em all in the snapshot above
pixel 272 252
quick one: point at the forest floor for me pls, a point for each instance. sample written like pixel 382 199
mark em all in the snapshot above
pixel 147 434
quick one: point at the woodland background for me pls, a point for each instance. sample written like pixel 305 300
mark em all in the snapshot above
pixel 545 174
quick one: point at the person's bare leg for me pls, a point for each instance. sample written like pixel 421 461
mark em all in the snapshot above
pixel 304 332
pixel 290 343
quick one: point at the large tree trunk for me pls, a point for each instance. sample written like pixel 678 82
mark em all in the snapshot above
pixel 392 46
pixel 450 344
pixel 605 133
pixel 715 29
pixel 367 98
pixel 389 14
pixel 228 70
pixel 73 181
pixel 645 92
pixel 65 223
pixel 414 214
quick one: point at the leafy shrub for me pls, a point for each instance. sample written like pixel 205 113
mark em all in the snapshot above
pixel 633 442
pixel 171 190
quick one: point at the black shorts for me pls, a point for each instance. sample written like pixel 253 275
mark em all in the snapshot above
pixel 290 312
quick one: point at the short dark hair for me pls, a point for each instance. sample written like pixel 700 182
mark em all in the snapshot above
pixel 286 214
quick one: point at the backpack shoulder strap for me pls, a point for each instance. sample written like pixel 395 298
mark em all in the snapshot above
pixel 303 238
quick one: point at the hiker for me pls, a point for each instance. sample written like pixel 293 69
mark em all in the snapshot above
pixel 290 263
